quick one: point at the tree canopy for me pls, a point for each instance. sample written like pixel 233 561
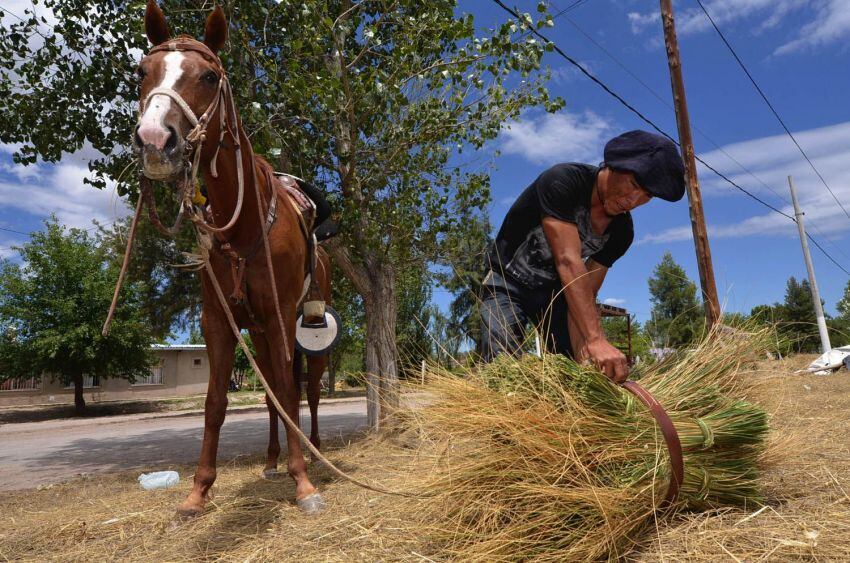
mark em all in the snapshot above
pixel 381 102
pixel 52 309
pixel 676 312
pixel 798 322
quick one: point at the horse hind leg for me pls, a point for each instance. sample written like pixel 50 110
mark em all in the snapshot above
pixel 283 384
pixel 221 348
pixel 273 452
pixel 315 369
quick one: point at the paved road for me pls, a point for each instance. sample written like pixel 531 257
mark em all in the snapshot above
pixel 33 454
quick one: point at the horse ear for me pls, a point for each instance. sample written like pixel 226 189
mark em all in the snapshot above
pixel 215 32
pixel 155 24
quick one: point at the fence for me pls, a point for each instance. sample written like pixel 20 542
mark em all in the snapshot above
pixel 29 384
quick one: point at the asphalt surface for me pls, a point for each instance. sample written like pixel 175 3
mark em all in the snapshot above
pixel 40 453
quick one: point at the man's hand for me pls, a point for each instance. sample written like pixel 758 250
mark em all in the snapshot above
pixel 607 358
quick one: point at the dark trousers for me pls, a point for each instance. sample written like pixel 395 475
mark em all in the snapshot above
pixel 507 308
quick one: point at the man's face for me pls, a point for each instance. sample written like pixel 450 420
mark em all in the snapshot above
pixel 623 193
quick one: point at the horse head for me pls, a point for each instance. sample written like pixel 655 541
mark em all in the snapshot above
pixel 182 88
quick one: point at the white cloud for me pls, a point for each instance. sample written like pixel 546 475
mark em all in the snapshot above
pixel 6 250
pixel 639 22
pixel 826 21
pixel 19 9
pixel 772 159
pixel 549 138
pixel 43 189
pixel 567 73
pixel 614 301
pixel 831 24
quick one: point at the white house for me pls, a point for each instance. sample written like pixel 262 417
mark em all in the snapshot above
pixel 182 369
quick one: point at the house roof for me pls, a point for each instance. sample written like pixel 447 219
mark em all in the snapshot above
pixel 179 347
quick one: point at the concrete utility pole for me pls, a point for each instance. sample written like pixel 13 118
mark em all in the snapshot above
pixel 824 335
pixel 706 270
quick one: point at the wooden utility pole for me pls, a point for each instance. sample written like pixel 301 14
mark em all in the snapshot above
pixel 706 270
pixel 813 284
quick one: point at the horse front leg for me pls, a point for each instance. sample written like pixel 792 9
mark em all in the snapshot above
pixel 221 345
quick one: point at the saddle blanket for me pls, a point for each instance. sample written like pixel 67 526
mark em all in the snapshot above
pixel 304 204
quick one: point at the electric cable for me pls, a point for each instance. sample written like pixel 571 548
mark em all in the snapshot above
pixel 702 133
pixel 652 124
pixel 772 109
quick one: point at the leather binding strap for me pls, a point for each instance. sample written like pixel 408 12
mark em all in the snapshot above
pixel 671 438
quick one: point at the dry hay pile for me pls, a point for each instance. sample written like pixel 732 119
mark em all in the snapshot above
pixel 541 458
pixel 805 515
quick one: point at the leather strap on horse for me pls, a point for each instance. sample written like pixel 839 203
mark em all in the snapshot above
pixel 203 230
pixel 130 237
pixel 228 123
pixel 671 438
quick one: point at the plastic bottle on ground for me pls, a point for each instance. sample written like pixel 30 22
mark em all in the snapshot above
pixel 159 480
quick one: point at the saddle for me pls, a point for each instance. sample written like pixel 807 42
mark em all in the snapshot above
pixel 303 205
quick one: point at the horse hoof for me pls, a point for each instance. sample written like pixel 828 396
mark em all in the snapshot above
pixel 189 512
pixel 271 474
pixel 312 504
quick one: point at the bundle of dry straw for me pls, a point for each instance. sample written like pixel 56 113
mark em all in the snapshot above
pixel 545 459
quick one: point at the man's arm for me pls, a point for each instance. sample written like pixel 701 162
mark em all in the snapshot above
pixel 596 273
pixel 580 287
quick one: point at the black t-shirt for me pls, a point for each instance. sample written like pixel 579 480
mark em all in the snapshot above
pixel 562 192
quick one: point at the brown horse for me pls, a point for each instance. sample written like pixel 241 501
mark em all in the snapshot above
pixel 188 122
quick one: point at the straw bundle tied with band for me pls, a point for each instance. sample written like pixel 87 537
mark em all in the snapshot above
pixel 541 458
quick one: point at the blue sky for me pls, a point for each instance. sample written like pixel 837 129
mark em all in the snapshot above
pixel 796 49
pixel 793 48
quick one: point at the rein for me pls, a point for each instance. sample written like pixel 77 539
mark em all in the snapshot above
pixel 228 123
pixel 195 139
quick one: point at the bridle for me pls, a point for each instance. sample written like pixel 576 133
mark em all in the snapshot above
pixel 223 102
pixel 194 141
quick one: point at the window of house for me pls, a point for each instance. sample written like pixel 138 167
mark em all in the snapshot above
pixel 89 382
pixel 29 384
pixel 155 377
pixel 197 362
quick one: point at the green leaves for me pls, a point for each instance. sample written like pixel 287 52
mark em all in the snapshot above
pixel 379 102
pixel 677 318
pixel 52 308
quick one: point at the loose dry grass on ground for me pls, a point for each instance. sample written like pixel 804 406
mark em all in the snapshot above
pixel 807 515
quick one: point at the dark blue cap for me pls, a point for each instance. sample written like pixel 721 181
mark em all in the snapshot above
pixel 653 159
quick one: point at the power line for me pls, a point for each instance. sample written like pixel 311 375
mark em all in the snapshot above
pixel 702 133
pixel 652 124
pixel 574 5
pixel 14 231
pixel 772 109
pixel 661 99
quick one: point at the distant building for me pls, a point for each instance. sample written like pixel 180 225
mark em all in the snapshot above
pixel 181 369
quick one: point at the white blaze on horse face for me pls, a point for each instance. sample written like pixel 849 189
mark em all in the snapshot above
pixel 152 127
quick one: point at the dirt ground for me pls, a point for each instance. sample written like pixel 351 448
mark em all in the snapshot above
pixel 806 517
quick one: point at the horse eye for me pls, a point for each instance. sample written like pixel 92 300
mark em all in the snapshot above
pixel 210 77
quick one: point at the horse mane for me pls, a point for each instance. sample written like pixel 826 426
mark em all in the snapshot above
pixel 263 164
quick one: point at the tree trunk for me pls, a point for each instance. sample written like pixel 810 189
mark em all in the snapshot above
pixel 79 400
pixel 381 351
pixel 375 282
